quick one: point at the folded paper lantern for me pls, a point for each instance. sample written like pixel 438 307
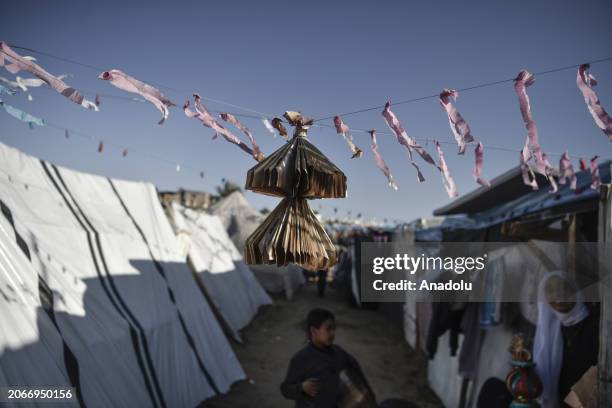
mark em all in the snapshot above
pixel 298 169
pixel 292 233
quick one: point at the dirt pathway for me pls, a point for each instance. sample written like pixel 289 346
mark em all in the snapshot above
pixel 393 369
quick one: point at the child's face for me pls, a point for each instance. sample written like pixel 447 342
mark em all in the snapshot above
pixel 324 335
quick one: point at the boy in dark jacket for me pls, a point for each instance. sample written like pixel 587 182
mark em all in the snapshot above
pixel 313 376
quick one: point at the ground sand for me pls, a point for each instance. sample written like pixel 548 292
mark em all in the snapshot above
pixel 393 369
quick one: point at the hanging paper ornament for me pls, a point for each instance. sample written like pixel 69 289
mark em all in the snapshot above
pixel 127 83
pixel 595 178
pixel 586 82
pixel 529 178
pixel 524 80
pixel 297 169
pixel 460 128
pixel 229 118
pixel 447 177
pixel 380 162
pixel 203 115
pixel 405 140
pixel 583 166
pixel 343 129
pixel 292 233
pixel 278 125
pixel 14 63
pixel 100 147
pixel 566 171
pixel 479 161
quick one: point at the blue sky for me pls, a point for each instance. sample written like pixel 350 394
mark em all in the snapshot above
pixel 322 58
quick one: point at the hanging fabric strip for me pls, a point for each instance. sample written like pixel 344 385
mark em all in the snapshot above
pixel 595 179
pixel 343 129
pixel 405 140
pixel 549 171
pixel 447 177
pixel 101 147
pixel 127 83
pixel 278 125
pixel 14 63
pixel 586 82
pixel 22 116
pixel 25 83
pixel 529 178
pixel 479 161
pixel 521 83
pixel 380 162
pixel 566 171
pixel 583 166
pixel 459 127
pixel 209 121
pixel 229 118
pixel 268 126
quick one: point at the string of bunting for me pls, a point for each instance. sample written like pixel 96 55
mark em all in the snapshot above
pixel 531 156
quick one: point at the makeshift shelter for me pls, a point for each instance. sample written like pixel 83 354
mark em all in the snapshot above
pixel 226 279
pixel 240 220
pixel 102 277
pixel 507 211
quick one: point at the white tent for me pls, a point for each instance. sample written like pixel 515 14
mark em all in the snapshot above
pixel 240 220
pixel 106 269
pixel 228 282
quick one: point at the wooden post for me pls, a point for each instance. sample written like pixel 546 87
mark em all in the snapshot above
pixel 605 262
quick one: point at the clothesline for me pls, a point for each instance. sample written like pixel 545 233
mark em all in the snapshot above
pixel 426 140
pixel 459 127
pixel 483 85
pixel 378 107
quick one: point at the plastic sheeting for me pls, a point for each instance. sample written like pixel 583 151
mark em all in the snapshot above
pixel 137 331
pixel 228 281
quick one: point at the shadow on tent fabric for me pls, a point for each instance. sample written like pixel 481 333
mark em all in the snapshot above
pixel 162 359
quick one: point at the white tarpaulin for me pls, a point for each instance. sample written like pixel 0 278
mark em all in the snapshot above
pixel 240 220
pixel 136 329
pixel 228 281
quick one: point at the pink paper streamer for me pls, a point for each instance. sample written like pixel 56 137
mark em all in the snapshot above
pixel 549 171
pixel 229 118
pixel 127 83
pixel 529 178
pixel 209 121
pixel 380 162
pixel 14 63
pixel 566 171
pixel 405 140
pixel 460 128
pixel 586 82
pixel 479 161
pixel 595 179
pixel 447 178
pixel 583 166
pixel 343 129
pixel 521 83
